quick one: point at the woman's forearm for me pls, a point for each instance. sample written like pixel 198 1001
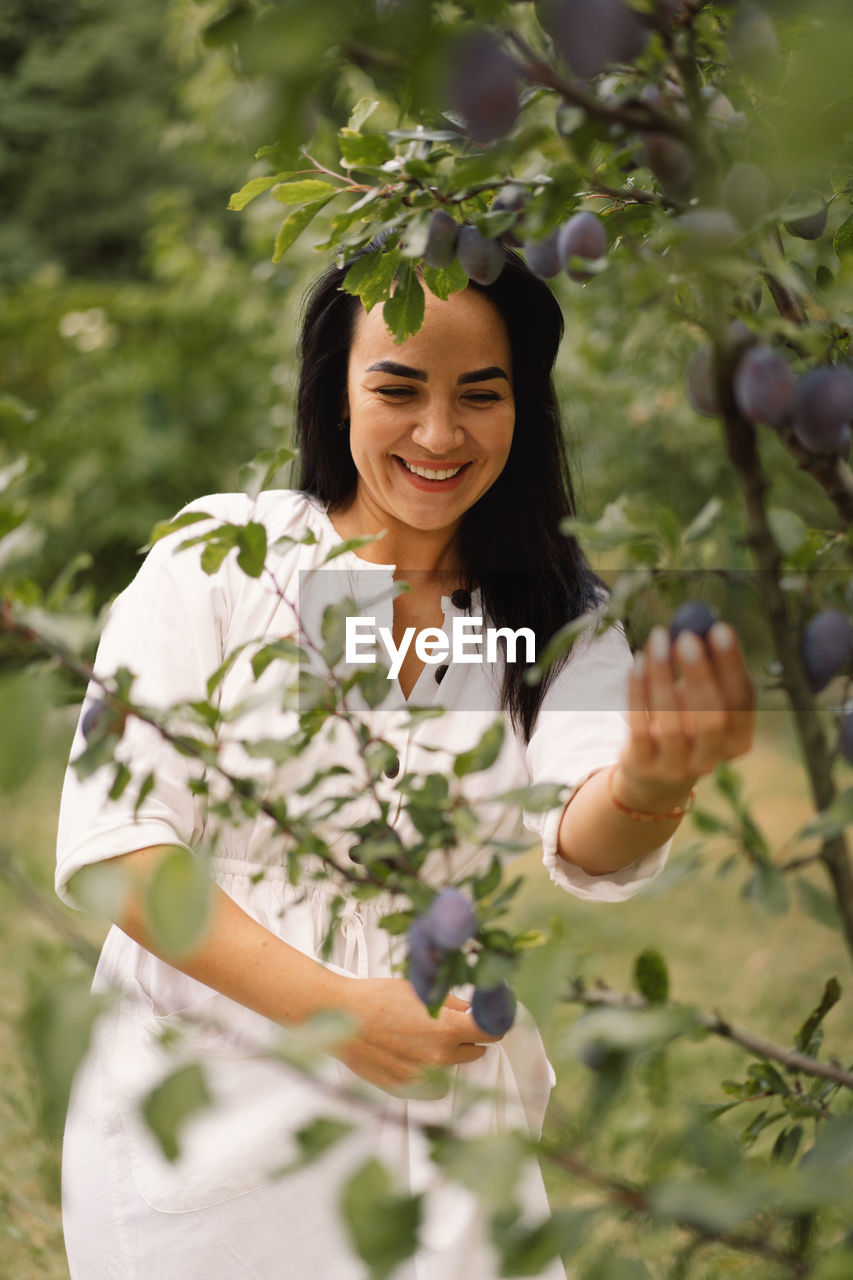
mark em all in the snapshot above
pixel 237 956
pixel 597 837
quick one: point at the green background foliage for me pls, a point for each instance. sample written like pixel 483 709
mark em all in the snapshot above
pixel 147 353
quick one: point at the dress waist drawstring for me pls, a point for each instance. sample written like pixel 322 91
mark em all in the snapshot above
pixel 355 939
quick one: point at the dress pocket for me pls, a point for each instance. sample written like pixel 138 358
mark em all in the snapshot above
pixel 238 1142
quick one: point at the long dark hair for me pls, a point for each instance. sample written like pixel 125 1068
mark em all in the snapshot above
pixel 510 544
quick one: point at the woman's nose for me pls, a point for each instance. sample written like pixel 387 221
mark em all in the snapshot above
pixel 437 429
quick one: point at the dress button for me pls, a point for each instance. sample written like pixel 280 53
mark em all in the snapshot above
pixel 393 769
pixel 440 673
pixel 461 599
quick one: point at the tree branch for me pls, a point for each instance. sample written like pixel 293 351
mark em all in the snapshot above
pixel 793 1061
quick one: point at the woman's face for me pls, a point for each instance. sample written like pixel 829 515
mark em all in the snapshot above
pixel 431 420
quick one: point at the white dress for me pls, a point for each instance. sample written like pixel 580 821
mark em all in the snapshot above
pixel 220 1211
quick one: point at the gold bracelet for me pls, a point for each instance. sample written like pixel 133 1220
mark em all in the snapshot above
pixel 639 815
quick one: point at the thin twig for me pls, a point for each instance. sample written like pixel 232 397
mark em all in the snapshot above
pixel 717 1025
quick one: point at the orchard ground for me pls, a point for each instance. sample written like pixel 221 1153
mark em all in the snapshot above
pixel 762 972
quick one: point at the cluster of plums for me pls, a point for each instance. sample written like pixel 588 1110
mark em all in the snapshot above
pixel 817 406
pixel 581 239
pixel 447 925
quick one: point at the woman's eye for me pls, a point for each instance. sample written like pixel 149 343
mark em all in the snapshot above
pixel 394 393
pixel 482 397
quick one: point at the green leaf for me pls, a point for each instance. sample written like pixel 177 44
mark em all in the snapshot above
pixel 538 798
pixel 382 1225
pixel 487 883
pixel 349 544
pixel 370 277
pixel 364 108
pixel 293 226
pixel 284 650
pixel 359 149
pixel 832 820
pixel 166 527
pixel 24 703
pixel 842 241
pixel 443 281
pixel 526 1250
pixel 374 684
pixel 178 901
pixel 333 629
pixel 304 191
pixel 256 187
pixel 819 904
pixel 404 310
pixel 702 524
pixel 766 887
pixel 252 541
pixel 214 553
pixel 710 823
pixel 320 1135
pixel 168 1106
pixel 651 977
pixel 484 755
pixel 257 474
pixel 58 1026
pixel 788 529
pixel 806 1035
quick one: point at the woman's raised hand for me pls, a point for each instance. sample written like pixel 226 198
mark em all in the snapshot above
pixel 691 706
pixel 397 1040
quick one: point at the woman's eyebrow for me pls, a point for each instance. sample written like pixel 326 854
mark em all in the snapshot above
pixel 483 375
pixel 399 370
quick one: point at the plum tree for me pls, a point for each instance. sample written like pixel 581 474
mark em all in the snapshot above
pixel 482 259
pixel 583 236
pixel 450 920
pixel 484 87
pixel 826 647
pixel 764 387
pixel 823 407
pixel 493 1009
pixel 695 616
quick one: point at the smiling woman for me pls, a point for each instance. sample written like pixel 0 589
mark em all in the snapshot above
pixel 451 448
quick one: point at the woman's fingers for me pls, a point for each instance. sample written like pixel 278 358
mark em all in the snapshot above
pixel 690 704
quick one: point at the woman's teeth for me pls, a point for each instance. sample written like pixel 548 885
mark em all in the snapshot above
pixel 427 474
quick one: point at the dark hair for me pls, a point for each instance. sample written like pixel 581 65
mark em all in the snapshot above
pixel 509 541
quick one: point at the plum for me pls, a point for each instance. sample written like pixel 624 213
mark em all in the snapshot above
pixel 442 239
pixel 480 258
pixel 695 616
pixel 493 1009
pixel 826 647
pixel 764 387
pixel 450 920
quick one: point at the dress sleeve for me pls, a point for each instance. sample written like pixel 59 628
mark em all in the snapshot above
pixel 167 629
pixel 580 729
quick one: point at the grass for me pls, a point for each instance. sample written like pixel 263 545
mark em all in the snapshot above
pixel 764 972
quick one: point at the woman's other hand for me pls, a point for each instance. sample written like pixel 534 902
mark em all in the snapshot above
pixel 397 1041
pixel 691 706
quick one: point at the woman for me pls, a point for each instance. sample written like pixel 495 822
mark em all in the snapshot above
pixel 446 448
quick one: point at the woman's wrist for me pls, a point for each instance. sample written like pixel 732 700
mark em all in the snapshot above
pixel 648 796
